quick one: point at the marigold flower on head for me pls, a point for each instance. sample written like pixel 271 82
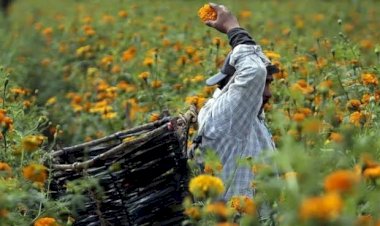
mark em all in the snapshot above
pixel 46 221
pixel 326 207
pixel 243 204
pixel 204 186
pixel 5 169
pixel 341 181
pixel 36 173
pixel 206 13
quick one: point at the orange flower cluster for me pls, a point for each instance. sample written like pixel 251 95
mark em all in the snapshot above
pixel 32 142
pixel 341 181
pixel 243 204
pixel 370 168
pixel 6 122
pixel 5 169
pixel 206 13
pixel 326 207
pixel 35 173
pixel 46 221
pixel 303 87
pixel 369 79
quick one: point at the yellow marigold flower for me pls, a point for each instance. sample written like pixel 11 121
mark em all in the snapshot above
pixel 5 169
pixel 206 12
pixel 204 186
pixel 156 84
pixel 193 212
pixel 341 181
pixel 144 75
pixel 326 207
pixel 46 221
pixel 129 54
pixel 217 208
pixel 272 55
pixel 197 78
pixel 106 60
pixel 36 173
pixel 51 101
pixel 369 79
pixel 372 173
pixel 109 115
pixel 302 86
pixel 243 204
pixel 123 14
pixel 32 142
pixel 148 61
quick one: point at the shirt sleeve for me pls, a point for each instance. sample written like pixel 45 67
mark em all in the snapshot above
pixel 234 111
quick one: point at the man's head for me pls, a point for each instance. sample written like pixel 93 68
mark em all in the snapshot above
pixel 223 77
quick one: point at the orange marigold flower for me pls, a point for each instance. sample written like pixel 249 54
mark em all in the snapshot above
pixel 364 220
pixel 218 208
pixel 341 181
pixel 5 169
pixel 36 173
pixel 193 212
pixel 369 79
pixel 156 84
pixel 356 118
pixel 206 13
pixel 303 87
pixel 353 104
pixel 123 14
pixel 129 53
pixel 372 173
pixel 326 207
pixel 243 204
pixel 46 221
pixel 336 137
pixel 298 117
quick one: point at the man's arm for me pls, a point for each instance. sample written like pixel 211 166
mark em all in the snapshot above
pixel 234 110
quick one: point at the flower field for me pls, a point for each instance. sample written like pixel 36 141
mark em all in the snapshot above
pixel 77 70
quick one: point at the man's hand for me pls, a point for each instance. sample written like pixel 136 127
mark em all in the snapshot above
pixel 225 21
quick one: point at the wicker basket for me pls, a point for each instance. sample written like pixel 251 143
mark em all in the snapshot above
pixel 149 183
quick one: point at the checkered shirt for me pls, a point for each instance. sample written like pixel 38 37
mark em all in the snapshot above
pixel 229 122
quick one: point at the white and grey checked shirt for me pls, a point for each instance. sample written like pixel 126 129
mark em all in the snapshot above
pixel 229 121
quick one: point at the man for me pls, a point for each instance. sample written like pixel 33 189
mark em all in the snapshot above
pixel 232 121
